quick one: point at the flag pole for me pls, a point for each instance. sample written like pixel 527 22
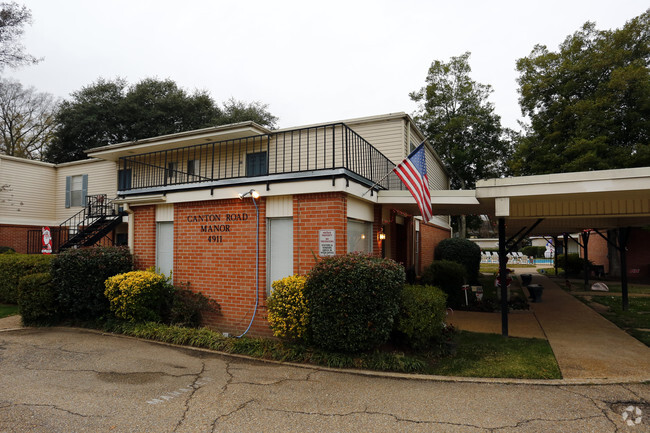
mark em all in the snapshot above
pixel 377 183
pixel 387 174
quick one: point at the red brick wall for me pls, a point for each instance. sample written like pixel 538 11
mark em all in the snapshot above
pixel 311 213
pixel 376 228
pixel 430 237
pixel 144 248
pixel 597 247
pixel 15 236
pixel 223 267
pixel 638 254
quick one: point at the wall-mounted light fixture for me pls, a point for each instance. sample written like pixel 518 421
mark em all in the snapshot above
pixel 253 193
pixel 381 236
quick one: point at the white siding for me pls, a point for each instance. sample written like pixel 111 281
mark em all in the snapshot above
pixel 281 206
pixel 28 192
pixel 360 210
pixel 164 213
pixel 386 135
pixel 102 179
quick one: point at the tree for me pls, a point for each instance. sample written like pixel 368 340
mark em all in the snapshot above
pixel 460 123
pixel 12 21
pixel 588 103
pixel 238 111
pixel 26 120
pixel 111 111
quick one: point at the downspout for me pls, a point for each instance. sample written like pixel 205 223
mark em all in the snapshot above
pixel 131 227
pixel 257 267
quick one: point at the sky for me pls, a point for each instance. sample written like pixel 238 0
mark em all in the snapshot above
pixel 311 62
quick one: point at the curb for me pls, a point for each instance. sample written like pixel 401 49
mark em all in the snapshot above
pixel 377 374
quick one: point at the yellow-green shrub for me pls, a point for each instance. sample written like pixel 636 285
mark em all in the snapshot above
pixel 288 314
pixel 138 296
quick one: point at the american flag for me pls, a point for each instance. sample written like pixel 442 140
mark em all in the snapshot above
pixel 413 172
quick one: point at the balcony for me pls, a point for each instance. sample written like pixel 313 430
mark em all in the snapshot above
pixel 327 151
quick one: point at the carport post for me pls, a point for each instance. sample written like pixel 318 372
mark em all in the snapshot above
pixel 566 255
pixel 585 242
pixel 503 260
pixel 555 254
pixel 623 235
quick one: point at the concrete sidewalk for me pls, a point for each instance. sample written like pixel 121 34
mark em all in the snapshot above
pixel 585 344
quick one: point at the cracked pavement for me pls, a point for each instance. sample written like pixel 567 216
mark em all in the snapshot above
pixel 71 380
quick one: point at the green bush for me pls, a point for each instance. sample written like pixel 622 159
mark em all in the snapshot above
pixel 188 307
pixel 7 250
pixel 575 264
pixel 36 300
pixel 288 313
pixel 536 252
pixel 13 267
pixel 139 296
pixel 462 251
pixel 78 277
pixel 448 276
pixel 353 300
pixel 422 315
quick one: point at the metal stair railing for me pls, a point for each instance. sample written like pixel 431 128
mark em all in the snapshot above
pixel 85 224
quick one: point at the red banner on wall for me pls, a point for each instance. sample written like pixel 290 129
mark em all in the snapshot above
pixel 47 241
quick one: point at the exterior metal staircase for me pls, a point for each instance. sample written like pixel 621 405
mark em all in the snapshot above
pixel 92 224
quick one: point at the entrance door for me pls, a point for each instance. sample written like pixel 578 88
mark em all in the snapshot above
pixel 401 252
pixel 279 249
pixel 165 247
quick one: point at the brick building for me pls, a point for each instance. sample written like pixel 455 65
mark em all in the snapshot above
pixel 307 193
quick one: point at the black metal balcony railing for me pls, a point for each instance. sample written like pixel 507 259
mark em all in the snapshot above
pixel 306 150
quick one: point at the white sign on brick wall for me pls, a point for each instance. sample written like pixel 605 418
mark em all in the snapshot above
pixel 326 243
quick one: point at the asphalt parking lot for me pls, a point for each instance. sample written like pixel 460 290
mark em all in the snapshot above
pixel 71 380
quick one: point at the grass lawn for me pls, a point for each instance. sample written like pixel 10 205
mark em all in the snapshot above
pixel 635 321
pixel 637 315
pixel 494 267
pixel 489 355
pixel 8 310
pixel 577 285
pixel 477 355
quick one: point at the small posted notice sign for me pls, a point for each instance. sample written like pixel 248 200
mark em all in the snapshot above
pixel 326 243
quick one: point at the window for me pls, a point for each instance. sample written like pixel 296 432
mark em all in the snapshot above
pixel 172 171
pixel 256 164
pixel 359 236
pixel 124 179
pixel 76 189
pixel 193 166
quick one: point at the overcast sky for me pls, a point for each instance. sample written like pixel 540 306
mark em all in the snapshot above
pixel 309 61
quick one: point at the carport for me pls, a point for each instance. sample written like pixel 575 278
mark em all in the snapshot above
pixel 556 205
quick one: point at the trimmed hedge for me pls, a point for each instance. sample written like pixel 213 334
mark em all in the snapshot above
pixel 288 314
pixel 78 277
pixel 139 296
pixel 353 300
pixel 422 315
pixel 462 251
pixel 36 300
pixel 13 267
pixel 536 252
pixel 449 277
pixel 576 264
pixel 187 307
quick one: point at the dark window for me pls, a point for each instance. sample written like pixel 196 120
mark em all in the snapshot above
pixel 256 164
pixel 121 239
pixel 193 166
pixel 124 179
pixel 172 171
